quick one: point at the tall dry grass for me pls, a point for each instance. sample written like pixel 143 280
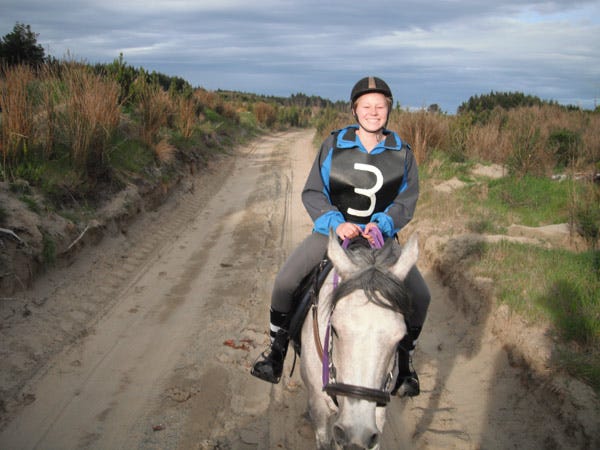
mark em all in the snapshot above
pixel 424 131
pixel 71 107
pixel 522 138
pixel 90 114
pixel 211 100
pixel 207 99
pixel 185 117
pixel 229 111
pixel 488 142
pixel 528 150
pixel 265 113
pixel 17 118
pixel 165 151
pixel 155 108
pixel 47 128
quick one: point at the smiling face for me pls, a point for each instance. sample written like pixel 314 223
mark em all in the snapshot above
pixel 371 111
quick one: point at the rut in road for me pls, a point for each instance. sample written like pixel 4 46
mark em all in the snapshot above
pixel 157 291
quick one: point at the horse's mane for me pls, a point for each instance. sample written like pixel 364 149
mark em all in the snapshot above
pixel 379 285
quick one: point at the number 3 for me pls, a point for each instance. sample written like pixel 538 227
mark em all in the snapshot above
pixel 367 192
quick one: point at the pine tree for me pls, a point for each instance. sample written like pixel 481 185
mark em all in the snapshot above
pixel 21 47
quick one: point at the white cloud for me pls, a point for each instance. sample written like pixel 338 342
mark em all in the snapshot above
pixel 430 51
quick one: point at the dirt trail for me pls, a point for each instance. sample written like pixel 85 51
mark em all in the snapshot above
pixel 146 342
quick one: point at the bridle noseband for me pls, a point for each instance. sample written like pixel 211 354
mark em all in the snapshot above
pixel 330 385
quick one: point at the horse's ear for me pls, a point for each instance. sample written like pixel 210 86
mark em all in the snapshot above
pixel 338 256
pixel 408 258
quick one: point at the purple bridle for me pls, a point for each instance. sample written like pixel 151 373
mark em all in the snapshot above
pixel 380 396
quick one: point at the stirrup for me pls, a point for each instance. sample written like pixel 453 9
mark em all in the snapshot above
pixel 267 368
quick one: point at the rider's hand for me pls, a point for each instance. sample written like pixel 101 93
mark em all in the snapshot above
pixel 347 230
pixel 366 234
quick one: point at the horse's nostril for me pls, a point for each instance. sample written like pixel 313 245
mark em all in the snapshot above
pixel 374 440
pixel 354 439
pixel 339 435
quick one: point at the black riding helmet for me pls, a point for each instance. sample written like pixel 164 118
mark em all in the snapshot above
pixel 370 84
pixel 367 85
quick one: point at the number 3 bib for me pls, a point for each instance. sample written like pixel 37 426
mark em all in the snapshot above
pixel 362 184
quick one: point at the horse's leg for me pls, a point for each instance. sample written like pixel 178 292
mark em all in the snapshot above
pixel 320 406
pixel 320 415
pixel 380 417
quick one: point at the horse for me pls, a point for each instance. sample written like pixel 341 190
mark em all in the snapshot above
pixel 359 323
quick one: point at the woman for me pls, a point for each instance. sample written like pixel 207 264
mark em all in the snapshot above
pixel 364 177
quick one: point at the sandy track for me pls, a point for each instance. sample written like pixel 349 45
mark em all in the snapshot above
pixel 147 341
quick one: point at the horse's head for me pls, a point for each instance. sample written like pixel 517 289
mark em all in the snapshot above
pixel 367 323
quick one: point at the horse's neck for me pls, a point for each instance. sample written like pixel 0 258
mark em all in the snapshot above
pixel 325 305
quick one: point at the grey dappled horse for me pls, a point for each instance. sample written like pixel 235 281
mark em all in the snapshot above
pixel 360 324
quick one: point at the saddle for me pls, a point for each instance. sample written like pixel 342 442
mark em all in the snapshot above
pixel 304 297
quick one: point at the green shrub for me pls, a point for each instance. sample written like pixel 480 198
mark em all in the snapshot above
pixel 528 200
pixel 32 205
pixel 565 145
pixel 443 165
pixel 527 148
pixel 48 250
pixel 211 115
pixel 573 305
pixel 553 285
pixel 584 206
pixel 131 156
pixel 63 185
pixel 482 225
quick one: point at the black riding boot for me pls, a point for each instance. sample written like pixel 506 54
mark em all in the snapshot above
pixel 407 382
pixel 269 367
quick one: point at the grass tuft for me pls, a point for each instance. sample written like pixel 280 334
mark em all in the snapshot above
pixel 555 285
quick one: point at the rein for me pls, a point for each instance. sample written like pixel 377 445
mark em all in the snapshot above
pixel 379 396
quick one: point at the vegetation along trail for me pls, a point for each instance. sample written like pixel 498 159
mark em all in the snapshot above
pixel 164 363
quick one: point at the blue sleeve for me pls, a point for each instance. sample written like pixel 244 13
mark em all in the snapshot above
pixel 331 219
pixel 385 224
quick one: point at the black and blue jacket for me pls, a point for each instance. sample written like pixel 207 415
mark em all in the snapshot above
pixel 349 184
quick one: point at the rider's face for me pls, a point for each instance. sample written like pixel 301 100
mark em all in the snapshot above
pixel 371 111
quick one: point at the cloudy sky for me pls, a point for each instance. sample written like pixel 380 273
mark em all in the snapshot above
pixel 429 51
